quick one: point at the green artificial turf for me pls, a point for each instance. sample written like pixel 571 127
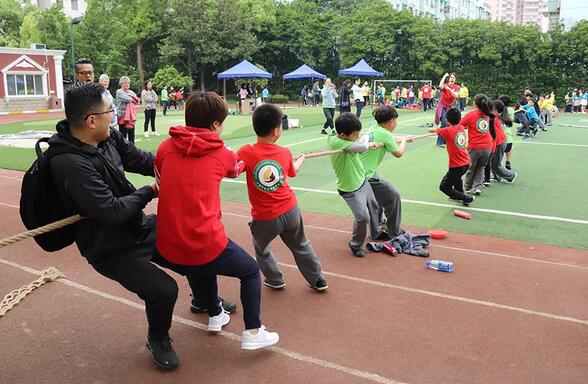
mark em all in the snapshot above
pixel 550 181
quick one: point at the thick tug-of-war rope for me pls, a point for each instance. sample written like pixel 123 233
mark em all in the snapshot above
pixel 310 155
pixel 52 274
pixel 41 230
pixel 14 297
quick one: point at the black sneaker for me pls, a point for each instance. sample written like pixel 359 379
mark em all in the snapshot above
pixel 163 352
pixel 357 252
pixel 196 308
pixel 468 200
pixel 323 131
pixel 507 165
pixel 321 284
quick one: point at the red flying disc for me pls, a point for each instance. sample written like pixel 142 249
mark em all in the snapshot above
pixel 438 233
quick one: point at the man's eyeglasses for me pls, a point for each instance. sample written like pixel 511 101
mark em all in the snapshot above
pixel 111 110
pixel 86 73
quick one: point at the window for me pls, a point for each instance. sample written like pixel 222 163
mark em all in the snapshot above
pixel 74 5
pixel 24 85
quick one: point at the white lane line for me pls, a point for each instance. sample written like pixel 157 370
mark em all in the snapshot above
pixel 419 202
pixel 10 205
pixel 231 336
pixel 485 303
pixel 11 177
pixel 307 141
pixel 466 250
pixel 557 144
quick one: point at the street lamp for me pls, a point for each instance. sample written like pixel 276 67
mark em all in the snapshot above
pixel 74 21
pixel 399 33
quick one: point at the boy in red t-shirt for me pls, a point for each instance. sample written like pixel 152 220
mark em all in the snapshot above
pixel 459 160
pixel 274 207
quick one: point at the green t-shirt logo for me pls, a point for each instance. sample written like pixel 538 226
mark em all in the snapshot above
pixel 460 140
pixel 482 125
pixel 268 175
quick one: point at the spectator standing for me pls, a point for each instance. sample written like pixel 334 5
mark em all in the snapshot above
pixel 126 110
pixel 149 101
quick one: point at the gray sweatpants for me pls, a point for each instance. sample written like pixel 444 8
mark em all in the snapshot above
pixel 364 206
pixel 496 164
pixel 290 228
pixel 474 177
pixel 388 198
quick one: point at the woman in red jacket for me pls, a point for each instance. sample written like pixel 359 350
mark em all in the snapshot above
pixel 189 168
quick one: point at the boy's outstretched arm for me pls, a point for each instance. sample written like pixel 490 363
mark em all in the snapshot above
pixel 299 161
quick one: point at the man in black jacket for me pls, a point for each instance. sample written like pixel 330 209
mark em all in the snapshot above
pixel 116 238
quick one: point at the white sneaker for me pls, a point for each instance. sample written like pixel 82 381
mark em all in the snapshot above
pixel 146 134
pixel 261 340
pixel 155 133
pixel 216 323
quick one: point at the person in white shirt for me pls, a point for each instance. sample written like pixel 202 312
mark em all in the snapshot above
pixel 358 96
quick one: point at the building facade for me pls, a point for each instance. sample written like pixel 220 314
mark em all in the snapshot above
pixel 523 12
pixel 446 9
pixel 30 79
pixel 71 8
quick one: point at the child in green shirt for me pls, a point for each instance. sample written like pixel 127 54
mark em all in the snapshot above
pixel 386 194
pixel 351 180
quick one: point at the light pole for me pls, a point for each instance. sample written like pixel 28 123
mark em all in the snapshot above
pixel 399 33
pixel 74 21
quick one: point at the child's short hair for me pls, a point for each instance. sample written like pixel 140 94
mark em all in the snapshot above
pixel 266 118
pixel 384 114
pixel 347 123
pixel 505 100
pixel 530 100
pixel 204 108
pixel 453 116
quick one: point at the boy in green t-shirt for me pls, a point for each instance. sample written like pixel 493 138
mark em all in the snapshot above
pixel 386 194
pixel 351 181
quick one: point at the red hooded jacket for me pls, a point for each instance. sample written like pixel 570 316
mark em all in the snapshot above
pixel 189 167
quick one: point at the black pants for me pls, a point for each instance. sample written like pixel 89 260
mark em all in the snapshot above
pixel 164 104
pixel 451 185
pixel 329 114
pixel 426 104
pixel 234 261
pixel 149 117
pixel 134 269
pixel 127 133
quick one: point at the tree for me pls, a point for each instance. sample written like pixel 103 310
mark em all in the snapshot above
pixel 168 75
pixel 11 16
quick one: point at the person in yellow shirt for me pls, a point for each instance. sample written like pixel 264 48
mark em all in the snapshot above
pixel 546 105
pixel 367 90
pixel 463 96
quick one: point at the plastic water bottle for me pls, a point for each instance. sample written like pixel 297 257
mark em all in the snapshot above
pixel 440 265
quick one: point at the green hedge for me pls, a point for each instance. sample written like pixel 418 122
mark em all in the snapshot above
pixel 279 99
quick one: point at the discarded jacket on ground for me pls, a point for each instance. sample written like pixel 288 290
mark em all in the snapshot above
pixel 405 243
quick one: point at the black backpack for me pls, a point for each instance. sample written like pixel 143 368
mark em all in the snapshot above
pixel 40 203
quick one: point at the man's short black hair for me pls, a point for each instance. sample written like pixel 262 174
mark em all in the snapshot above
pixel 83 100
pixel 266 118
pixel 347 123
pixel 453 116
pixel 82 60
pixel 384 114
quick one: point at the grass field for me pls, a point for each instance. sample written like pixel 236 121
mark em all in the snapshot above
pixel 545 204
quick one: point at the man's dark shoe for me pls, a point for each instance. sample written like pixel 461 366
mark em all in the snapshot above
pixel 321 284
pixel 163 352
pixel 195 307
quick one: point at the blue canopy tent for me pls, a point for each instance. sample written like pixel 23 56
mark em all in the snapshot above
pixel 242 70
pixel 304 72
pixel 360 69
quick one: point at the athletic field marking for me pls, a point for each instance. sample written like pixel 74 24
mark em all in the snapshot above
pixel 10 205
pixel 467 250
pixel 11 177
pixel 451 297
pixel 307 141
pixel 231 336
pixel 485 210
pixel 557 144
